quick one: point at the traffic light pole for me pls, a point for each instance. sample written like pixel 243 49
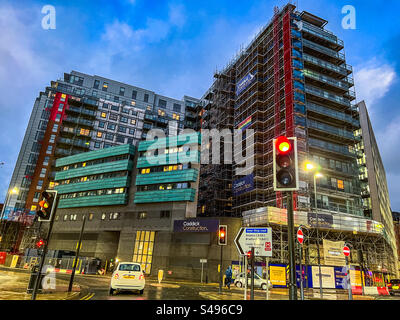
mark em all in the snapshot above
pixel 220 273
pixel 292 263
pixel 46 244
pixel 252 274
pixel 71 280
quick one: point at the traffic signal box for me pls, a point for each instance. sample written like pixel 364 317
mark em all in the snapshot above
pixel 222 235
pixel 47 205
pixel 285 164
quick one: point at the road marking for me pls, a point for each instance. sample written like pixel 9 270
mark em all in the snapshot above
pixel 88 296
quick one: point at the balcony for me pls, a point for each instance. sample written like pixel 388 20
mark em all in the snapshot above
pixel 336 57
pixel 342 70
pixel 84 111
pixel 82 121
pixel 332 147
pixel 332 113
pixel 75 142
pixel 326 95
pixel 334 84
pixel 331 130
pixel 326 35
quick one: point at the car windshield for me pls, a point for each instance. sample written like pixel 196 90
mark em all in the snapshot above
pixel 129 267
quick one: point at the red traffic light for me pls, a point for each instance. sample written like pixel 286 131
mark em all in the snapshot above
pixel 40 243
pixel 249 254
pixel 283 145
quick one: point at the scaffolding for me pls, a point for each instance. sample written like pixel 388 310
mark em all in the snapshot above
pixel 362 234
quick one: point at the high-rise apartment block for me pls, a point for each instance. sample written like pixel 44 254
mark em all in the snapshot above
pixel 80 113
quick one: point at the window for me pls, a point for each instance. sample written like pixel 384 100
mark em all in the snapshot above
pixel 60 107
pixel 104 115
pixel 111 126
pixel 46 161
pixel 143 249
pixel 132 131
pixel 122 129
pixel 121 91
pixel 42 173
pixel 133 121
pixel 125 110
pixel 99 134
pixel 133 103
pixel 124 119
pixel 165 214
pixel 105 86
pixel 146 97
pixel 105 106
pixel 58 117
pixel 65 217
pixel 113 116
pixel 97 144
pixel 94 93
pixel 91 215
pixel 103 216
pixel 52 138
pixel 175 116
pixel 134 93
pixel 84 132
pixel 49 149
pixel 102 124
pixel 109 136
pixel 161 112
pixel 162 103
pixel 96 84
pixel 142 215
pixel 177 107
pixel 115 108
pixel 120 139
pixel 340 184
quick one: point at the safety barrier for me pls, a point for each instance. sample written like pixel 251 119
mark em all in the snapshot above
pixel 370 291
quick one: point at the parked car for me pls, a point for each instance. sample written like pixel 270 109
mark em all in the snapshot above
pixel 394 286
pixel 127 276
pixel 258 281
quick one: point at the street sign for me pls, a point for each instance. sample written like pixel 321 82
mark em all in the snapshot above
pixel 203 260
pixel 300 236
pixel 258 238
pixel 346 251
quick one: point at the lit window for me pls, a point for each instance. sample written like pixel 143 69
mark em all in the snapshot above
pixel 104 115
pixel 340 184
pixel 84 132
pixel 133 103
pixel 99 134
pixel 161 187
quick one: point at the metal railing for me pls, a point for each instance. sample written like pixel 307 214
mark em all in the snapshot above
pixel 327 51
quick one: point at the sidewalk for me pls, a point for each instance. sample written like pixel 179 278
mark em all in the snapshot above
pixel 13 285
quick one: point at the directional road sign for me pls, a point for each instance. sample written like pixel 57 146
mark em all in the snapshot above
pixel 259 238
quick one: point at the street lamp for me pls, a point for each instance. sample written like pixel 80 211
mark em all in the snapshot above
pixel 309 167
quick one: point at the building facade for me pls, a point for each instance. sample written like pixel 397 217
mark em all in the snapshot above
pixel 140 205
pixel 375 193
pixel 80 113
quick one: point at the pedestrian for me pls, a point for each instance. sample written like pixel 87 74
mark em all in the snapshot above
pixel 228 277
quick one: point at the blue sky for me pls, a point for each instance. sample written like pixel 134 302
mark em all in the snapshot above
pixel 173 48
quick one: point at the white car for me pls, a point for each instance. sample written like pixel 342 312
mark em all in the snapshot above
pixel 127 276
pixel 258 281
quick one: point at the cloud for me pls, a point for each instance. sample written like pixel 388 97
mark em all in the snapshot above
pixel 373 81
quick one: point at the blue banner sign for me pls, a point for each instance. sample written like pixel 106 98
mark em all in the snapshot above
pixel 244 83
pixel 256 230
pixel 243 185
pixel 196 225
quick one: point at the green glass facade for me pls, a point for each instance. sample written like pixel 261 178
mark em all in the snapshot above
pixel 170 182
pixel 96 178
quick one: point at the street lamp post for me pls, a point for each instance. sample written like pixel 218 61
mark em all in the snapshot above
pixel 318 175
pixel 309 166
